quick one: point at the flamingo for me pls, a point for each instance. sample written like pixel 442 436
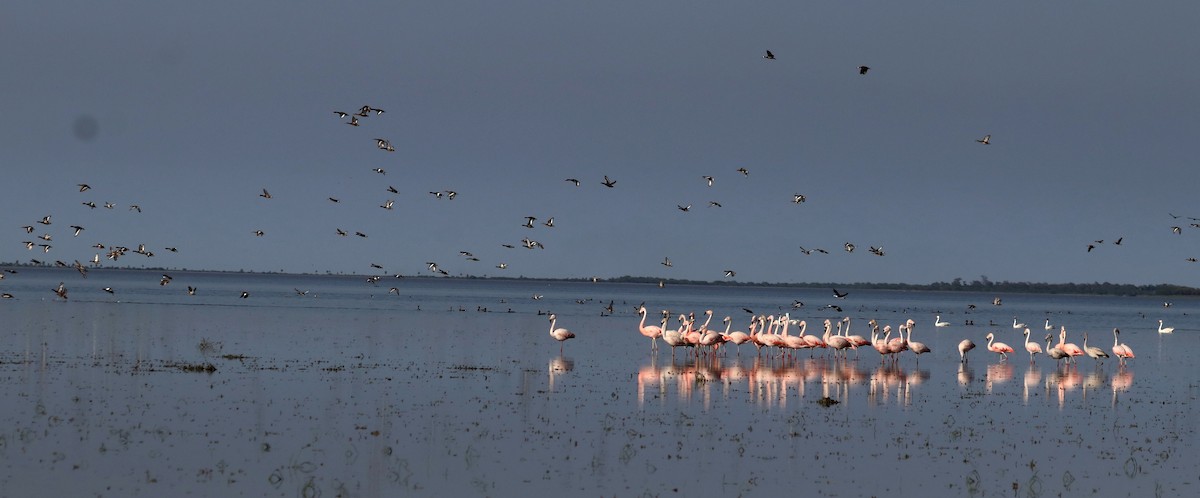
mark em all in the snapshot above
pixel 1093 351
pixel 1053 351
pixel 790 342
pixel 998 347
pixel 917 348
pixel 738 337
pixel 1068 347
pixel 674 337
pixel 939 323
pixel 855 339
pixel 1167 330
pixel 714 338
pixel 559 335
pixel 1032 347
pixel 1016 325
pixel 881 345
pixel 811 340
pixel 651 331
pixel 897 345
pixel 837 341
pixel 1121 351
pixel 963 347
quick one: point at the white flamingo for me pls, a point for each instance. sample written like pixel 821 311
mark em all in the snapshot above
pixel 1093 351
pixel 1032 347
pixel 963 347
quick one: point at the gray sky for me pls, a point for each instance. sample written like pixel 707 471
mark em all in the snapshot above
pixel 190 109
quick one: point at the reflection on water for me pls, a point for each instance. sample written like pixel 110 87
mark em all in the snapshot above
pixel 559 365
pixel 770 382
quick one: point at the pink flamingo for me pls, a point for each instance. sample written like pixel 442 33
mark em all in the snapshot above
pixel 999 347
pixel 897 345
pixel 1068 347
pixel 791 342
pixel 738 337
pixel 836 342
pixel 963 347
pixel 651 331
pixel 713 338
pixel 917 348
pixel 559 335
pixel 812 340
pixel 1121 351
pixel 1032 347
pixel 674 337
pixel 881 345
pixel 855 340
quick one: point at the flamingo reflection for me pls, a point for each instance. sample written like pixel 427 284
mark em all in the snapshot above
pixel 1033 377
pixel 559 366
pixel 997 373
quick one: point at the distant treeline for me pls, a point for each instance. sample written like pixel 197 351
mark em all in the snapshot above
pixel 983 284
pixel 1104 288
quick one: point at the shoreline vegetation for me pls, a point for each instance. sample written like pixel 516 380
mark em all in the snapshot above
pixel 982 284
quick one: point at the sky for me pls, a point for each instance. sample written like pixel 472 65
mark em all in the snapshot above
pixel 190 110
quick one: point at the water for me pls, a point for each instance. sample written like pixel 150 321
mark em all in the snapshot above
pixel 351 390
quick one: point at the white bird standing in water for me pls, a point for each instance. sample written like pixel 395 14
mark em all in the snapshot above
pixel 559 335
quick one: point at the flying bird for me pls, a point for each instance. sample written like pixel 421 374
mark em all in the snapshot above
pixel 799 198
pixel 840 295
pixel 730 273
pixel 708 179
pixel 609 183
pixel 392 189
pixel 849 247
pixel 666 262
pixel 573 180
pixel 549 223
pixel 353 121
pixel 77 229
pixel 714 204
pixel 387 205
pixel 863 69
pixel 380 171
pixel 743 171
pixel 89 204
pixel 83 187
pixel 769 56
pixel 265 194
pixel 986 140
pixel 684 208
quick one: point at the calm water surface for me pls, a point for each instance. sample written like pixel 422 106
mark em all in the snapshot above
pixel 351 390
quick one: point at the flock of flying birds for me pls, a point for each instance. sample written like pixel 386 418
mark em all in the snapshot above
pixel 42 241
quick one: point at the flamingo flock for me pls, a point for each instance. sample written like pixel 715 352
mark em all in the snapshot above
pixel 774 333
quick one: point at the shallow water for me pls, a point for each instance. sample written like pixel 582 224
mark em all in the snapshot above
pixel 351 390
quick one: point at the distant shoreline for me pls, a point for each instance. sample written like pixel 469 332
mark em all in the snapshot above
pixel 957 285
